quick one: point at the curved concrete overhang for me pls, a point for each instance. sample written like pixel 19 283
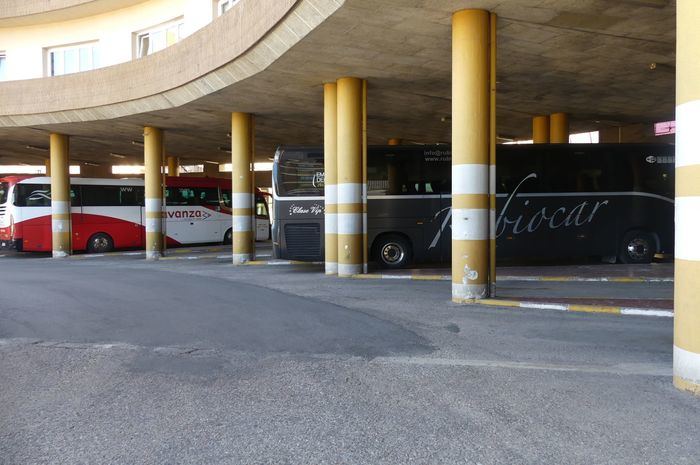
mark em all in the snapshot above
pixel 30 12
pixel 236 46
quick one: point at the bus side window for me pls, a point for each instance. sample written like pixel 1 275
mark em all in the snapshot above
pixel 208 196
pixel 260 207
pixel 226 198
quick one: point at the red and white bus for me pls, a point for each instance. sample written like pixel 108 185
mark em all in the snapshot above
pixel 109 214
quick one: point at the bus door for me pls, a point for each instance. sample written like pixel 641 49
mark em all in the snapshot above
pixel 262 219
pixel 193 215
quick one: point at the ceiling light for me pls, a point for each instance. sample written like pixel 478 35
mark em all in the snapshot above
pixel 137 142
pixel 225 149
pixel 116 155
pixel 211 162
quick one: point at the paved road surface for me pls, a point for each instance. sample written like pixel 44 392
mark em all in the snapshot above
pixel 114 360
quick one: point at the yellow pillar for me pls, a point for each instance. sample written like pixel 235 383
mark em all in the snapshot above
pixel 173 166
pixel 540 129
pixel 60 196
pixel 559 128
pixel 470 155
pixel 493 20
pixel 686 331
pixel 350 172
pixel 394 141
pixel 153 180
pixel 330 168
pixel 243 237
pixel 47 164
pixel 365 247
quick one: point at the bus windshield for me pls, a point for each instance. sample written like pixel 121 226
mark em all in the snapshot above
pixel 4 188
pixel 299 173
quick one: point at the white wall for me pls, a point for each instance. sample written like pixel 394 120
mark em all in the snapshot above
pixel 24 46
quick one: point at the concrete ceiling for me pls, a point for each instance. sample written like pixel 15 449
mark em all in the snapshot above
pixel 589 58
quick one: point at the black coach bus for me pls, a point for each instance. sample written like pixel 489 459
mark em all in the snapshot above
pixel 614 201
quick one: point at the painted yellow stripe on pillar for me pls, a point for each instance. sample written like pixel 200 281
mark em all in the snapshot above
pixel 60 195
pixel 153 181
pixel 540 129
pixel 351 208
pixel 243 245
pixel 330 167
pixel 686 334
pixel 688 180
pixel 365 255
pixel 470 153
pixel 559 128
pixel 350 174
pixel 470 201
pixel 493 52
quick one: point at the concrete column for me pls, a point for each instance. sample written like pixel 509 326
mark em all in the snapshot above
pixel 60 196
pixel 153 180
pixel 394 141
pixel 47 164
pixel 493 23
pixel 470 155
pixel 330 168
pixel 686 333
pixel 350 186
pixel 540 129
pixel 173 166
pixel 365 246
pixel 559 128
pixel 243 237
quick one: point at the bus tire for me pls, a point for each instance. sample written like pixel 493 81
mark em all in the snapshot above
pixel 392 251
pixel 637 247
pixel 100 243
pixel 228 236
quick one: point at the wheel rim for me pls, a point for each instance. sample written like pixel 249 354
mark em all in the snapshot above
pixel 100 244
pixel 392 253
pixel 638 249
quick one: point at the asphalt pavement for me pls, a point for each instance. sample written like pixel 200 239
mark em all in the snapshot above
pixel 113 360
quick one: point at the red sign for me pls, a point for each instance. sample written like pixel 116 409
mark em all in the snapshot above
pixel 665 128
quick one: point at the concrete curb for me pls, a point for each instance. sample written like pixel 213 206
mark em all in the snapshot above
pixel 585 308
pixel 441 277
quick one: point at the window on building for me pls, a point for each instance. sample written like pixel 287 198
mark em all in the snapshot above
pixel 222 6
pixel 159 37
pixel 73 58
pixel 3 66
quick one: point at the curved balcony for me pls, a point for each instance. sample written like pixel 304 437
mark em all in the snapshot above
pixel 236 46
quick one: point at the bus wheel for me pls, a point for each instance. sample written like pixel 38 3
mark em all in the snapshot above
pixel 637 247
pixel 393 251
pixel 228 237
pixel 100 243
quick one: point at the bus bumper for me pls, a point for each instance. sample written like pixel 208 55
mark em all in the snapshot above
pixel 15 244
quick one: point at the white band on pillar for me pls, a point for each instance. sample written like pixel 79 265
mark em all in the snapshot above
pixel 470 178
pixel 345 269
pixel 330 193
pixel 60 207
pixel 470 224
pixel 244 200
pixel 349 193
pixel 349 223
pixel 331 268
pixel 240 258
pixel 58 226
pixel 469 291
pixel 153 225
pixel 154 205
pixel 331 223
pixel 687 226
pixel 687 142
pixel 686 364
pixel 242 223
